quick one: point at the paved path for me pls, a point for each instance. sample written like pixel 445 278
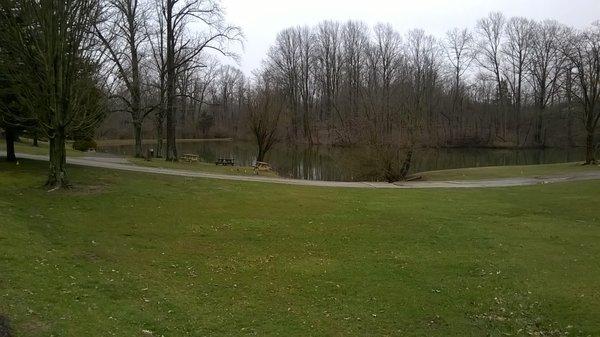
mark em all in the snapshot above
pixel 123 165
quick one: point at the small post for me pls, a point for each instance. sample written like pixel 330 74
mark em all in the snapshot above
pixel 149 154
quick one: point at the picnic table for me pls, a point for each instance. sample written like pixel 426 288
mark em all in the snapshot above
pixel 190 158
pixel 261 166
pixel 225 161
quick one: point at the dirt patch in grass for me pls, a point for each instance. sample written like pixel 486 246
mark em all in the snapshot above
pixel 34 327
pixel 4 327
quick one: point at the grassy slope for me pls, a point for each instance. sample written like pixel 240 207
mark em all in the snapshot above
pixel 42 149
pixel 493 172
pixel 124 252
pixel 25 147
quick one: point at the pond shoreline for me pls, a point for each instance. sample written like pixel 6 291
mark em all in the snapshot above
pixel 335 163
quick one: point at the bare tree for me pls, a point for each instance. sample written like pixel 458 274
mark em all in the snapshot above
pixel 355 43
pixel 583 51
pixel 123 36
pixel 387 48
pixel 516 49
pixel 284 68
pixel 328 58
pixel 181 48
pixel 203 81
pixel 264 112
pixel 460 53
pixel 490 34
pixel 546 66
pixel 306 81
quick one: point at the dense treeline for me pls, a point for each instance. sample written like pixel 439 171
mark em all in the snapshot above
pixel 507 82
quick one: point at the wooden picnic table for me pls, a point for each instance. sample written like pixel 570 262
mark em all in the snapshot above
pixel 261 166
pixel 190 158
pixel 225 161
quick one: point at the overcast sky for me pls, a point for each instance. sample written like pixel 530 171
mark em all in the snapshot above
pixel 261 20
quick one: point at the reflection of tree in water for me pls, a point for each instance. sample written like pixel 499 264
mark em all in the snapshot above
pixel 308 162
pixel 342 163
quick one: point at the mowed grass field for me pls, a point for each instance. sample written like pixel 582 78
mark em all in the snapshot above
pixel 25 146
pixel 128 254
pixel 503 172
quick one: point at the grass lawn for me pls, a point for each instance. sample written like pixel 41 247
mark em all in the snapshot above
pixel 494 172
pixel 42 149
pixel 25 146
pixel 126 252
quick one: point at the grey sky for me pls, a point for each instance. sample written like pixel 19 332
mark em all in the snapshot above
pixel 261 20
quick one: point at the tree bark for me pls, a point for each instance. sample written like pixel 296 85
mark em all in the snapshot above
pixel 171 154
pixel 539 128
pixel 159 136
pixel 261 154
pixel 57 177
pixel 137 132
pixel 10 145
pixel 407 163
pixel 589 148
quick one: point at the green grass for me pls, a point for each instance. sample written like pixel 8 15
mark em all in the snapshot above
pixel 495 172
pixel 200 167
pixel 25 146
pixel 125 252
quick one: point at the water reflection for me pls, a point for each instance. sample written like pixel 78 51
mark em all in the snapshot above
pixel 336 163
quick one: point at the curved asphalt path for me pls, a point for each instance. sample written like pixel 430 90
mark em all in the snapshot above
pixel 124 165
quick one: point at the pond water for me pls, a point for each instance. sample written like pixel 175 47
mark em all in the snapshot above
pixel 334 163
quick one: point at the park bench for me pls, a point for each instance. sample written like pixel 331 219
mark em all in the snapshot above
pixel 261 166
pixel 190 158
pixel 225 161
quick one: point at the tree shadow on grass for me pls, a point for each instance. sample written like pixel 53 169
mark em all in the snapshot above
pixel 4 327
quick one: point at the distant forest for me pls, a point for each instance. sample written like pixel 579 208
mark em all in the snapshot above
pixel 507 82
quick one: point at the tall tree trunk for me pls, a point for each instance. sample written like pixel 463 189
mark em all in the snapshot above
pixel 261 154
pixel 539 127
pixel 407 163
pixel 171 154
pixel 159 136
pixel 570 138
pixel 589 148
pixel 57 177
pixel 590 127
pixel 10 145
pixel 569 91
pixel 35 139
pixel 137 134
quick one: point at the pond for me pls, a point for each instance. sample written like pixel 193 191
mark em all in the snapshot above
pixel 333 163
